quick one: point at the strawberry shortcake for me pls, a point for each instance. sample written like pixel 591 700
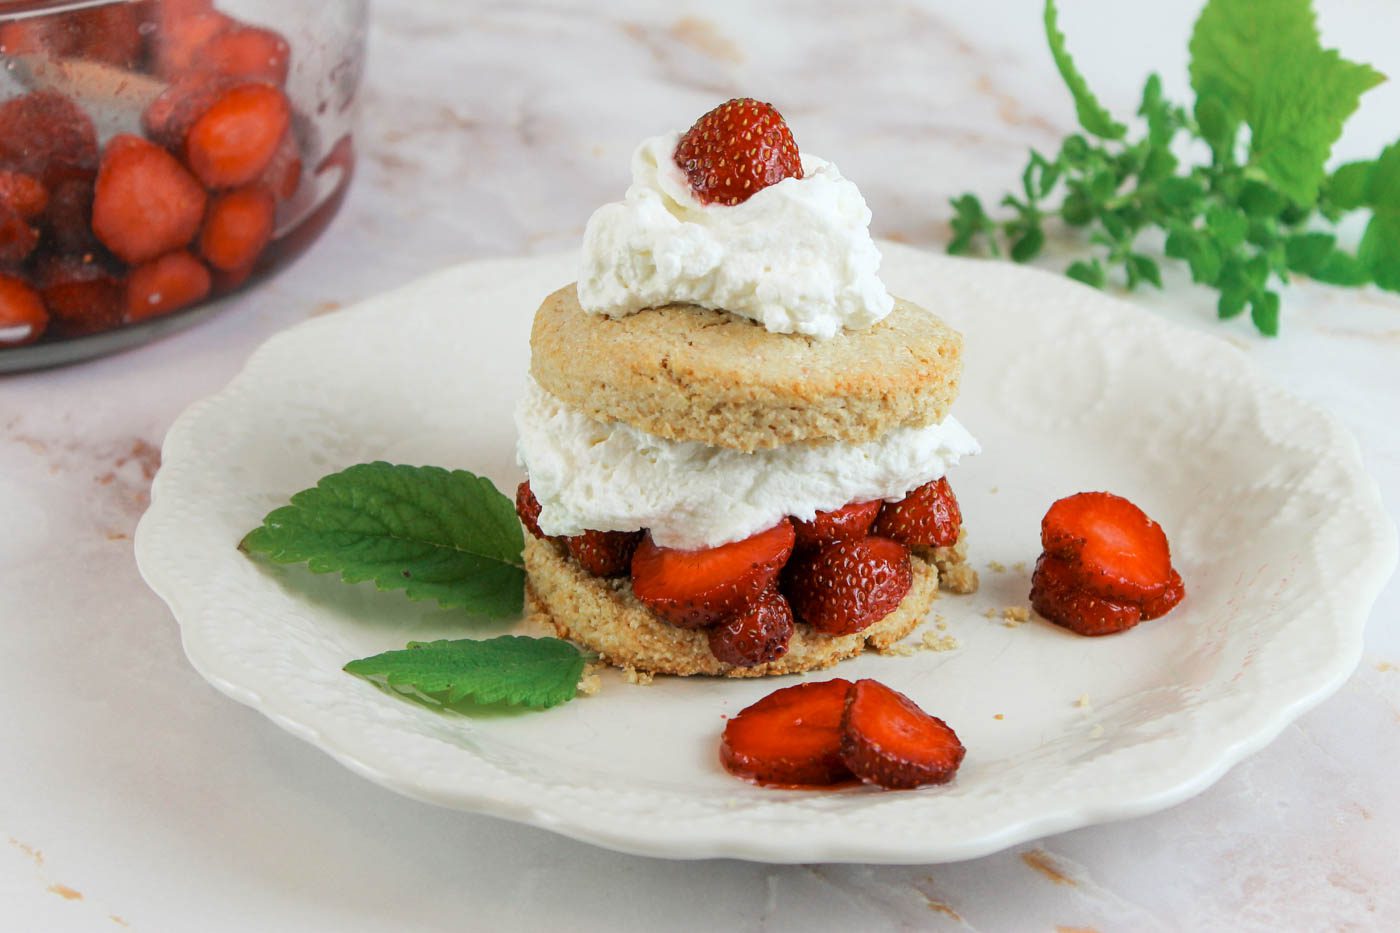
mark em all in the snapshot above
pixel 736 440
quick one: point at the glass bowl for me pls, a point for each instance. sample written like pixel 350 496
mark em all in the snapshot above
pixel 156 155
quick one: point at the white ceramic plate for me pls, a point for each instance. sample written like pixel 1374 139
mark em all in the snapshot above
pixel 1277 530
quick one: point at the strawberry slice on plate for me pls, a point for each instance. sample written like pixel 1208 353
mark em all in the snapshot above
pixel 791 737
pixel 928 516
pixel 886 739
pixel 737 149
pixel 1115 550
pixel 695 589
pixel 847 586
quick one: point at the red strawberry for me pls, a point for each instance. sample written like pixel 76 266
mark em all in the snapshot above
pixel 736 149
pixel 792 737
pixel 887 740
pixel 67 221
pixel 757 635
pixel 847 586
pixel 44 132
pixel 23 194
pixel 145 204
pixel 247 52
pixel 604 553
pixel 849 521
pixel 17 238
pixel 528 508
pixel 693 589
pixel 1057 595
pixel 161 286
pixel 1116 551
pixel 83 295
pixel 22 314
pixel 928 516
pixel 1154 607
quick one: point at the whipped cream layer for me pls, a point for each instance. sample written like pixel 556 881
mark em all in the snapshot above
pixel 796 256
pixel 588 475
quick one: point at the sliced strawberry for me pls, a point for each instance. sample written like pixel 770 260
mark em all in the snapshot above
pixel 1058 595
pixel 161 286
pixel 791 737
pixel 928 516
pixel 234 141
pixel 736 149
pixel 1117 552
pixel 44 132
pixel 604 553
pixel 847 586
pixel 84 295
pixel 757 635
pixel 17 237
pixel 693 589
pixel 1154 607
pixel 527 507
pixel 22 315
pixel 145 203
pixel 247 52
pixel 238 227
pixel 23 194
pixel 886 739
pixel 843 524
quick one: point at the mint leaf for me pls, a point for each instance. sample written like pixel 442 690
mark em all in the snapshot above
pixel 533 672
pixel 433 533
pixel 1092 116
pixel 1260 62
pixel 1346 188
pixel 1379 251
pixel 1263 310
pixel 1090 273
pixel 1307 251
pixel 1341 268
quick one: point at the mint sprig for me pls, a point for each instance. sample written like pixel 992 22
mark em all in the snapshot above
pixel 1246 218
pixel 447 535
pixel 531 672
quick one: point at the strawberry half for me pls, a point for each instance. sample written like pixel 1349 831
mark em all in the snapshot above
pixel 886 739
pixel 757 635
pixel 732 152
pixel 604 553
pixel 847 586
pixel 1115 550
pixel 527 507
pixel 694 589
pixel 843 524
pixel 1057 594
pixel 792 737
pixel 928 516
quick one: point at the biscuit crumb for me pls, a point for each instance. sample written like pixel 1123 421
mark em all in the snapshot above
pixel 941 626
pixel 960 579
pixel 932 641
pixel 1083 701
pixel 1096 732
pixel 591 681
pixel 640 678
pixel 898 649
pixel 1016 614
pixel 1386 666
pixel 991 613
pixel 995 489
pixel 996 566
pixel 1019 566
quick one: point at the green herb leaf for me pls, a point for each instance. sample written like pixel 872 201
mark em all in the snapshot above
pixel 1263 310
pixel 1306 251
pixel 1090 273
pixel 1028 245
pixel 1346 189
pixel 1341 268
pixel 434 533
pixel 1092 116
pixel 1379 251
pixel 533 672
pixel 1261 62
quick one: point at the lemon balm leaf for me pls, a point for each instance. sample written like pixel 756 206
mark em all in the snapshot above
pixel 512 669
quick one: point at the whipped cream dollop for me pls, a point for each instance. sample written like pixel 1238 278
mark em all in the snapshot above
pixel 796 256
pixel 588 475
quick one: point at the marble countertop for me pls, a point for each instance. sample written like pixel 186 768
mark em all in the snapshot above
pixel 133 796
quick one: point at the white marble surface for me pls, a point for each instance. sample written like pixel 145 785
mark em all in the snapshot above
pixel 134 796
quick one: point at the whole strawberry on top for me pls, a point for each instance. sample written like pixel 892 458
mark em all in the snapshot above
pixel 736 149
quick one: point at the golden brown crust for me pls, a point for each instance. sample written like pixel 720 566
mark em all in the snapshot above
pixel 691 374
pixel 603 616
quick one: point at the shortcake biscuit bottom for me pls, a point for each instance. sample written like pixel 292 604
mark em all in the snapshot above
pixel 603 616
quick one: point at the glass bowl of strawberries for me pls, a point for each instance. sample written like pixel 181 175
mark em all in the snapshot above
pixel 156 155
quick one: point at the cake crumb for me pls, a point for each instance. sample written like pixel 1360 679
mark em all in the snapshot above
pixel 1019 566
pixel 898 649
pixel 991 612
pixel 640 678
pixel 941 626
pixel 996 566
pixel 591 681
pixel 932 641
pixel 1096 732
pixel 961 579
pixel 1083 701
pixel 1017 614
pixel 1386 666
